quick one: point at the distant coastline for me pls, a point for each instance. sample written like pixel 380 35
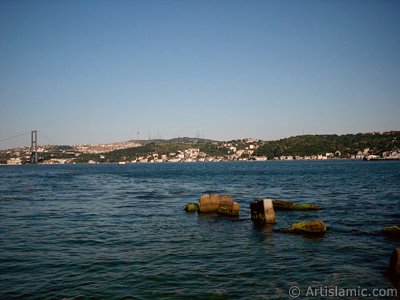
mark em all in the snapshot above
pixel 368 146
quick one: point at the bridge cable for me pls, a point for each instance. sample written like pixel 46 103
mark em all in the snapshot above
pixel 14 136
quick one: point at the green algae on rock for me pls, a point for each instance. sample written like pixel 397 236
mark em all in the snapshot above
pixel 191 207
pixel 289 205
pixel 229 208
pixel 305 206
pixel 308 227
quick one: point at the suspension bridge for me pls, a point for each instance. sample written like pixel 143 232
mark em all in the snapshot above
pixel 34 142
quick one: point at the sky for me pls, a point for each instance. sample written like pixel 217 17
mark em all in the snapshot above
pixel 99 71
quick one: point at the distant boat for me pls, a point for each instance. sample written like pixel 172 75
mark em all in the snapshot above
pixel 121 162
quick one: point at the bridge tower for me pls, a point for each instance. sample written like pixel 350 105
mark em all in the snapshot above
pixel 34 154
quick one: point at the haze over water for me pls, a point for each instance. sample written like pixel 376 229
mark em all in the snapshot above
pixel 102 231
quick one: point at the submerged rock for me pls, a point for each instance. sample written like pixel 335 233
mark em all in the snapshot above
pixel 306 206
pixel 392 230
pixel 282 204
pixel 222 204
pixel 191 207
pixel 289 205
pixel 308 227
pixel 262 212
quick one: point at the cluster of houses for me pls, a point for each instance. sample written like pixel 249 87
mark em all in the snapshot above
pixel 22 155
pixel 365 155
pixel 188 155
pixel 104 148
pixel 235 153
pixel 387 155
pixel 18 156
pixel 391 154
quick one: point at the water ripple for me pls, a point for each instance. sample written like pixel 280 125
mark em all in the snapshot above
pixel 110 231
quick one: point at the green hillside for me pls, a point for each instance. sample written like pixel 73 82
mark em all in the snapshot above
pixel 348 144
pixel 161 147
pixel 342 146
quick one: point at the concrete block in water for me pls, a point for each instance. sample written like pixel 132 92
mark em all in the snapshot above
pixel 262 212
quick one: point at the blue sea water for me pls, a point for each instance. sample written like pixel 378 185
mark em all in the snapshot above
pixel 119 231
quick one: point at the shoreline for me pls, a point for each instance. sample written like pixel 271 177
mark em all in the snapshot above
pixel 206 162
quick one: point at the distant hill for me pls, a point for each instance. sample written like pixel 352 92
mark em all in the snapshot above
pixel 304 145
pixel 348 144
pixel 177 140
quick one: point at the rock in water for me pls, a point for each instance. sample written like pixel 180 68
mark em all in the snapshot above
pixel 393 271
pixel 282 204
pixel 230 208
pixel 305 206
pixel 210 203
pixel 394 264
pixel 262 212
pixel 222 204
pixel 289 205
pixel 392 230
pixel 191 207
pixel 308 227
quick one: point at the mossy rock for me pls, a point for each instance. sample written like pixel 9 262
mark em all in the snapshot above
pixel 308 227
pixel 221 204
pixel 191 207
pixel 392 230
pixel 210 203
pixel 229 208
pixel 289 205
pixel 305 206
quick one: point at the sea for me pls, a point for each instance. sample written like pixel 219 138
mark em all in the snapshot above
pixel 112 231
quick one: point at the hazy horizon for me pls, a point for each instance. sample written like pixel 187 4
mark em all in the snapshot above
pixel 95 71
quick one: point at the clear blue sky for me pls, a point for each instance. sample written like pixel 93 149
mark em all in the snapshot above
pixel 98 71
